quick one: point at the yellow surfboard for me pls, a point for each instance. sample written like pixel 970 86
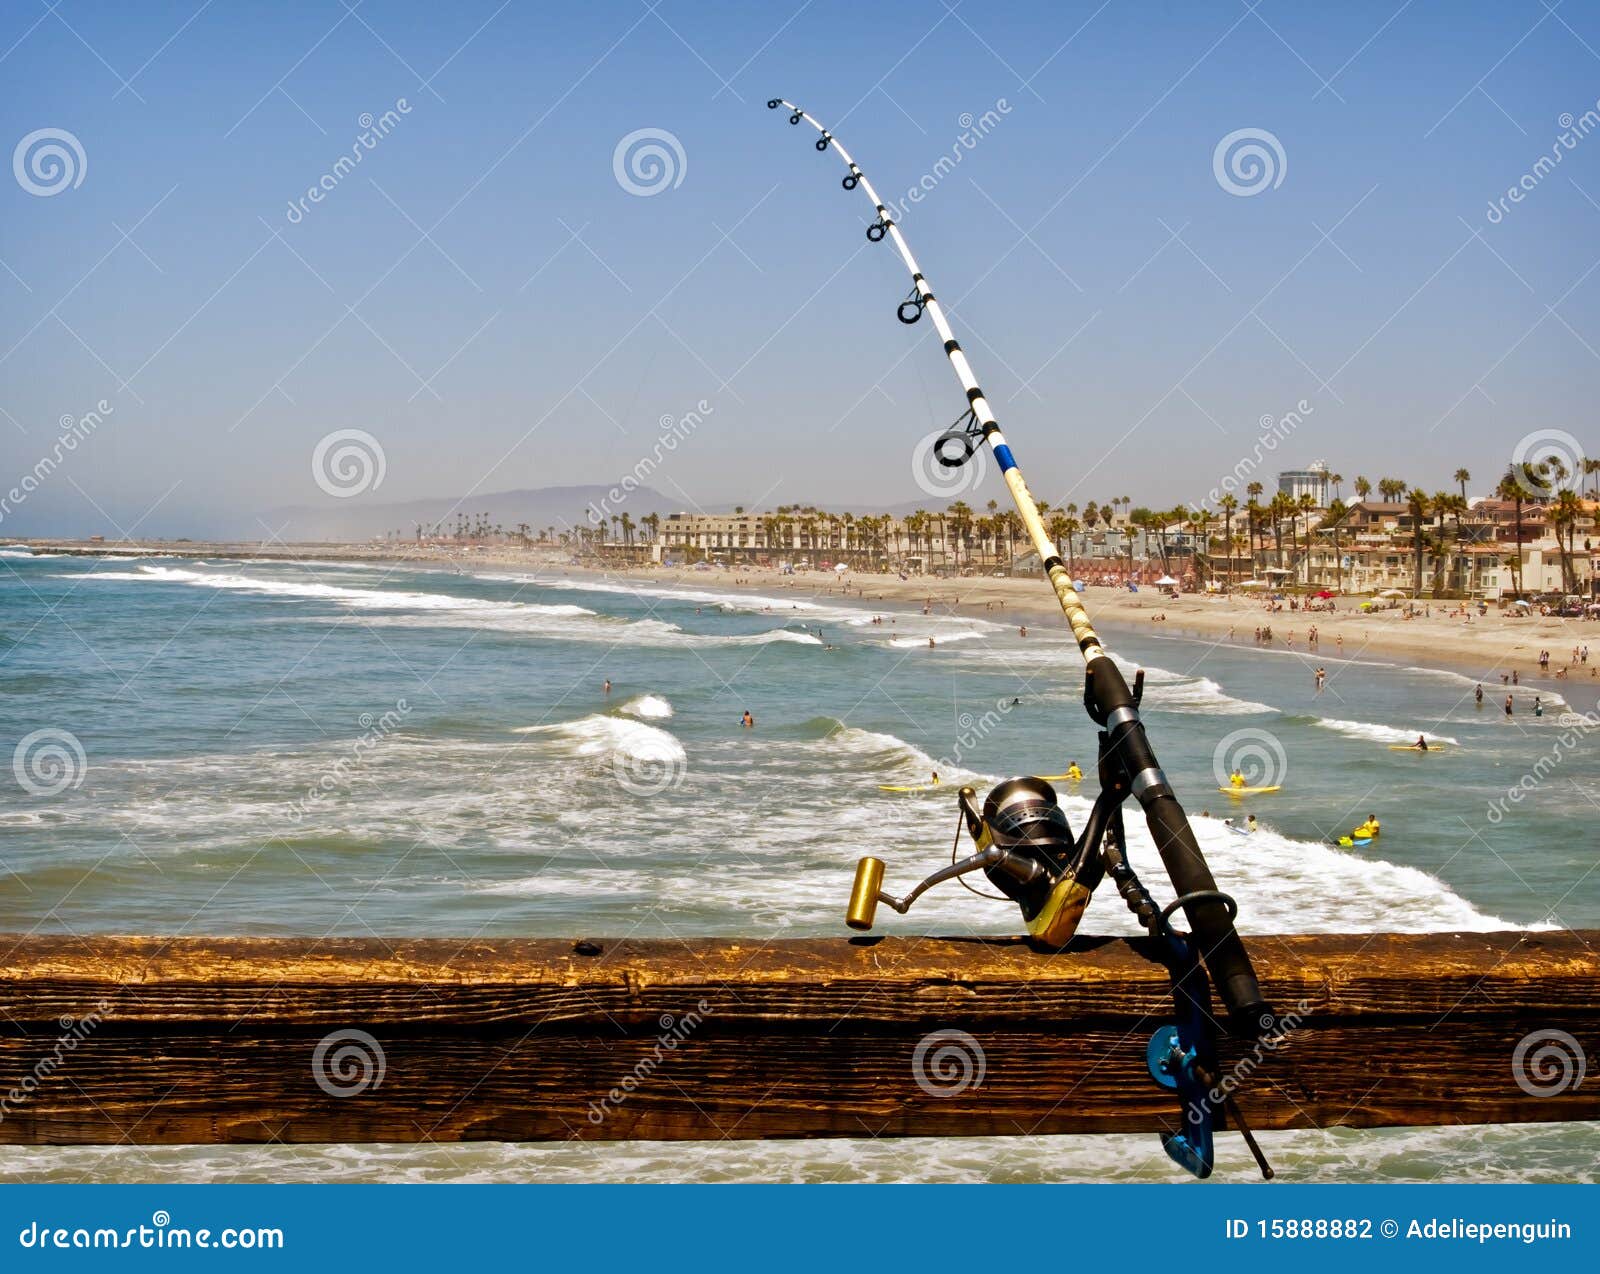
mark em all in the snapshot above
pixel 1250 791
pixel 919 787
pixel 1412 747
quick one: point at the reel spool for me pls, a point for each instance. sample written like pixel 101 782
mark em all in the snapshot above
pixel 1027 850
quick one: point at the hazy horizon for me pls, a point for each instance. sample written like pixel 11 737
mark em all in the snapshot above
pixel 569 232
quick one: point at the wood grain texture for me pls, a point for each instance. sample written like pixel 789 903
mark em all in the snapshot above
pixel 191 1040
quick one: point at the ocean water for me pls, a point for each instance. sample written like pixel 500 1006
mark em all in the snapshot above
pixel 286 748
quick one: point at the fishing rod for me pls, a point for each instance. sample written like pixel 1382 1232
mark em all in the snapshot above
pixel 1128 765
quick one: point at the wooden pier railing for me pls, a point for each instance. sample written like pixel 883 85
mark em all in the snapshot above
pixel 163 1040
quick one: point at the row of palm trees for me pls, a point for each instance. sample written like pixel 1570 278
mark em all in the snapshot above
pixel 960 536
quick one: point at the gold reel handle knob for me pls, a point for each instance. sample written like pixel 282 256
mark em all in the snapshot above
pixel 864 894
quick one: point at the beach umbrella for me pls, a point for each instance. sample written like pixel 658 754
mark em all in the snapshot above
pixel 1393 592
pixel 842 567
pixel 1251 583
pixel 1165 581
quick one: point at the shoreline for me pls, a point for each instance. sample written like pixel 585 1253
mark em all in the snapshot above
pixel 1482 649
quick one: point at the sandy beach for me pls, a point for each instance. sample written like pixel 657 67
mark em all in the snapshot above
pixel 1487 648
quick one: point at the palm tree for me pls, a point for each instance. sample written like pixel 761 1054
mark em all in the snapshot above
pixel 1307 505
pixel 1337 511
pixel 1229 503
pixel 1336 480
pixel 1462 477
pixel 1563 516
pixel 1363 488
pixel 1417 503
pixel 1510 488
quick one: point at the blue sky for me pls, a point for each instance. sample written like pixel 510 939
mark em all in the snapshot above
pixel 483 296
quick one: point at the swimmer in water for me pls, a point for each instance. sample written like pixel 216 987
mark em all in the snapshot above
pixel 1422 743
pixel 1478 695
pixel 1250 823
pixel 935 779
pixel 1074 774
pixel 1022 630
pixel 930 643
pixel 747 721
pixel 607 686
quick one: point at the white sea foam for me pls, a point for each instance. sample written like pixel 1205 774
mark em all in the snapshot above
pixel 650 707
pixel 1380 733
pixel 610 736
pixel 940 639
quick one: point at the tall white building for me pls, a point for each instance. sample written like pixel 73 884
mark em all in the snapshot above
pixel 1312 480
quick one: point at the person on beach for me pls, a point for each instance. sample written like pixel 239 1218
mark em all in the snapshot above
pixel 747 721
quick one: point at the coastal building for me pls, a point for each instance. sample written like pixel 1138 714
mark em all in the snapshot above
pixel 1314 480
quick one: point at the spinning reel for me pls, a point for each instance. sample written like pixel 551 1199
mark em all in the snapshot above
pixel 1026 849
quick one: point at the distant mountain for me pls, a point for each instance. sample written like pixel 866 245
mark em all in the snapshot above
pixel 361 519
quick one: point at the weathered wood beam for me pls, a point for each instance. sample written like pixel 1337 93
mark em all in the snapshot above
pixel 169 1040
